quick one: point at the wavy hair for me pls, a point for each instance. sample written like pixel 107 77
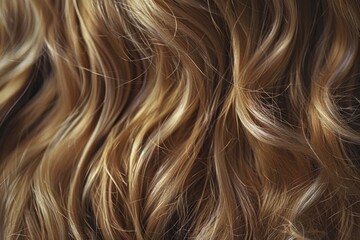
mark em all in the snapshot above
pixel 183 119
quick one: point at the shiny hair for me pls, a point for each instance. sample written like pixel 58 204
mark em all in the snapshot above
pixel 183 119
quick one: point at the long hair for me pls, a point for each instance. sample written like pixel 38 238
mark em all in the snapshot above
pixel 183 119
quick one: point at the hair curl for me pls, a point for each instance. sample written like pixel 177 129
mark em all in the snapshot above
pixel 183 119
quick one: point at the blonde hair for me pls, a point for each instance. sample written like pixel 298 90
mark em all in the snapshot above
pixel 206 119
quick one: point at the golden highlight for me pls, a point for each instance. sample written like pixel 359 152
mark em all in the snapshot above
pixel 184 119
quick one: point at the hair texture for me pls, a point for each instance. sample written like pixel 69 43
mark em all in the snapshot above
pixel 181 119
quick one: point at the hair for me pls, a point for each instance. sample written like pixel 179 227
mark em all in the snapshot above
pixel 206 119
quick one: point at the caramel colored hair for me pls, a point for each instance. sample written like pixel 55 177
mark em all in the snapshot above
pixel 179 119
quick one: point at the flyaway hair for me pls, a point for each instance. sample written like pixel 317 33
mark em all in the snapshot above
pixel 180 119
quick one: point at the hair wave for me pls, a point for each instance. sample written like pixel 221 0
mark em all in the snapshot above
pixel 214 119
